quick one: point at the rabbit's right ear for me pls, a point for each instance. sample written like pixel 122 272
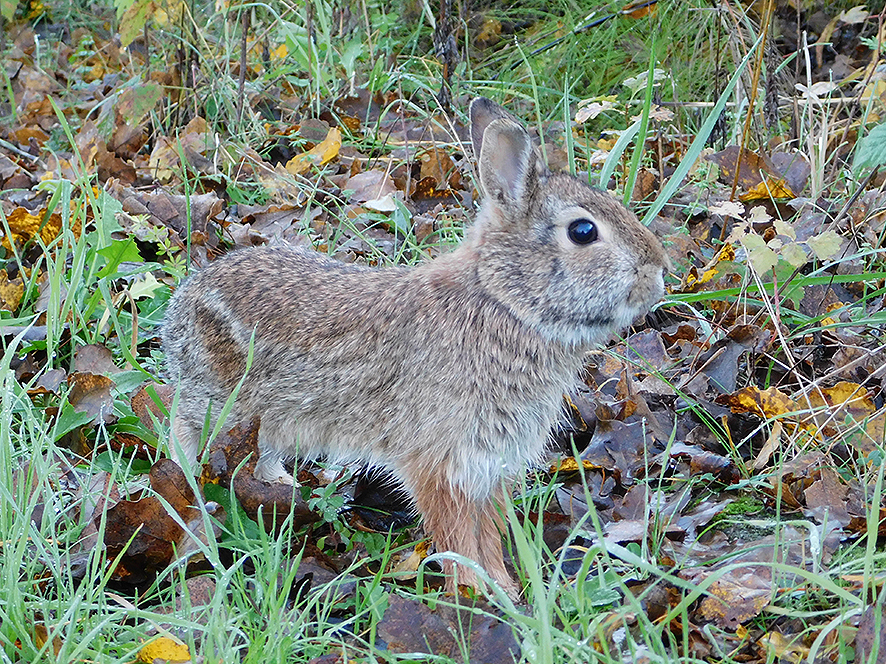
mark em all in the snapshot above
pixel 503 151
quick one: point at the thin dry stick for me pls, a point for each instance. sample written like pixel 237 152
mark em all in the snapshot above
pixel 241 92
pixel 758 66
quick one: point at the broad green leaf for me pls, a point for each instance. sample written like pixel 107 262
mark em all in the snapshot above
pixel 119 251
pixel 136 102
pixel 133 20
pixel 7 9
pixel 871 152
pixel 69 419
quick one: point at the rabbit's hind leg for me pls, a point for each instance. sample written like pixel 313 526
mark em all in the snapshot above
pixel 450 518
pixel 490 530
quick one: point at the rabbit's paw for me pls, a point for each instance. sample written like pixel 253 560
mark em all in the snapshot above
pixel 270 469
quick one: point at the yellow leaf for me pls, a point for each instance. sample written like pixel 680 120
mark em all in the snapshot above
pixel 768 189
pixel 875 89
pixel 11 291
pixel 280 52
pixel 783 648
pixel 320 154
pixel 164 648
pixel 24 226
pixel 769 403
pixel 133 20
pixel 171 13
pixel 727 253
pixel 844 392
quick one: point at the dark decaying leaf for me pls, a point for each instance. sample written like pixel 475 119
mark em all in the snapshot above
pixel 275 501
pixel 95 359
pixel 871 631
pixel 144 403
pixel 146 534
pixel 410 626
pixel 735 596
pixel 721 362
pixel 91 393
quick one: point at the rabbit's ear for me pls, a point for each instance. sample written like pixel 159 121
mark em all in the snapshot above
pixel 503 151
pixel 482 112
pixel 506 162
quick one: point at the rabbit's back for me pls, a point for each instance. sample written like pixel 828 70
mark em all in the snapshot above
pixel 393 367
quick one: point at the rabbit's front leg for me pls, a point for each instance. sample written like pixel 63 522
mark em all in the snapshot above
pixel 184 442
pixel 269 467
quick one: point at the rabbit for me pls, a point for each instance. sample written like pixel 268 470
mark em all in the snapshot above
pixel 451 374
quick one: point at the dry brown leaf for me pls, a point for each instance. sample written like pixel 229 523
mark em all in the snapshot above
pixel 96 359
pixel 436 164
pixel 91 393
pixel 370 186
pixel 736 597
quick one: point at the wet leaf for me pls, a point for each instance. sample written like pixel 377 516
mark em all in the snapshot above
pixel 145 533
pixel 410 626
pixel 236 451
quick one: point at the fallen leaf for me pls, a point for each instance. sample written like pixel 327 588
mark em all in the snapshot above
pixel 11 291
pixel 320 154
pixel 826 245
pixel 165 649
pixel 410 626
pixel 770 403
pixel 91 394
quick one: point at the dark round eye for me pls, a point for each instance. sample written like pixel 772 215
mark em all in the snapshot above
pixel 582 231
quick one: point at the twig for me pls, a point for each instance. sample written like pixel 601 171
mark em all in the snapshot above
pixel 241 92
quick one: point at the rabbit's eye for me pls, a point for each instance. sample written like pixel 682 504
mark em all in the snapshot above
pixel 582 231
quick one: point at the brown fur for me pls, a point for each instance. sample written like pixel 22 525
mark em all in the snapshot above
pixel 450 375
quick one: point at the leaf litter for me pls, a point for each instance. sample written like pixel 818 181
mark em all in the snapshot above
pixel 749 395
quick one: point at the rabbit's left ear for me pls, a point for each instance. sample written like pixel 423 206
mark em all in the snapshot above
pixel 505 163
pixel 506 157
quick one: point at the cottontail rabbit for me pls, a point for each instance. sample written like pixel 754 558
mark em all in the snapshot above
pixel 449 375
